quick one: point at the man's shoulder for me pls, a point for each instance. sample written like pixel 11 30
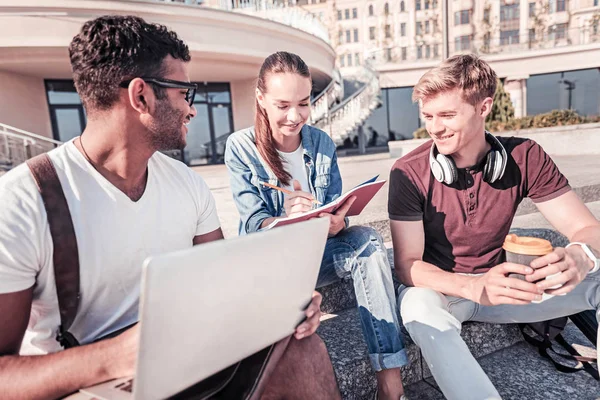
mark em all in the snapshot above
pixel 519 148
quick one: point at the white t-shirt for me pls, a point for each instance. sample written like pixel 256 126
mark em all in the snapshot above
pixel 114 236
pixel 294 164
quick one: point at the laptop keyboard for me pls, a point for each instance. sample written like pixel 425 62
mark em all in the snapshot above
pixel 126 386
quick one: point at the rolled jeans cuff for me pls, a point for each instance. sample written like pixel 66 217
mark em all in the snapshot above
pixel 381 361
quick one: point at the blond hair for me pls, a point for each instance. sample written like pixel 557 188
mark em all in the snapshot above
pixel 467 72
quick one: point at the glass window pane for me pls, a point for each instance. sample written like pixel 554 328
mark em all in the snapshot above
pixel 62 92
pixel 198 148
pixel 218 93
pixel 68 123
pixel 221 122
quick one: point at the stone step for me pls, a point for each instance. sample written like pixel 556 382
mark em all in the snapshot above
pixel 519 372
pixel 348 351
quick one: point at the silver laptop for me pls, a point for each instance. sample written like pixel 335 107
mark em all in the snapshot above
pixel 205 308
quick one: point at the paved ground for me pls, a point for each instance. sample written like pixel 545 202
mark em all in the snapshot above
pixel 581 171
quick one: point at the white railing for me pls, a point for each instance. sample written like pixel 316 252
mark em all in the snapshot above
pixel 341 120
pixel 330 96
pixel 17 146
pixel 296 17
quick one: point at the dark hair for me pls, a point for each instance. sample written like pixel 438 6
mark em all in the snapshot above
pixel 110 49
pixel 276 63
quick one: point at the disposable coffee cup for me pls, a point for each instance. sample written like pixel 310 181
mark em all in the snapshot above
pixel 523 250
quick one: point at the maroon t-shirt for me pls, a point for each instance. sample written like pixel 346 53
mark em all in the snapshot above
pixel 465 223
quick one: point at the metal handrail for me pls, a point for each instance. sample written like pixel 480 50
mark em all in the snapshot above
pixel 17 146
pixel 353 111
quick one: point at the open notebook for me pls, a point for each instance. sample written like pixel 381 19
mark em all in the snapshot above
pixel 363 192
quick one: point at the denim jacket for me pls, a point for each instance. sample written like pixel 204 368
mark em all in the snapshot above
pixel 247 169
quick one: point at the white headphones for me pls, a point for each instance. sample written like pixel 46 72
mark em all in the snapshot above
pixel 444 169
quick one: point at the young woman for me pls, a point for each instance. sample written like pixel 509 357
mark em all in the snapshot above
pixel 282 150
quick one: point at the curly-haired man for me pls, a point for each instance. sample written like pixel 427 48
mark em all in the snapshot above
pixel 132 78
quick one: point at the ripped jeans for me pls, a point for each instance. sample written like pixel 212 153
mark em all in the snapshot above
pixel 358 251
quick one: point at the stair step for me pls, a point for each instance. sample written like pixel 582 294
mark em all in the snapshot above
pixel 348 351
pixel 519 372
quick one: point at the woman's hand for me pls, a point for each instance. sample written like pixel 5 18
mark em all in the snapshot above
pixel 336 220
pixel 298 202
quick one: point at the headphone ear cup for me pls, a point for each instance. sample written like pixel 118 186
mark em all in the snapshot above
pixel 488 169
pixel 448 167
pixel 498 167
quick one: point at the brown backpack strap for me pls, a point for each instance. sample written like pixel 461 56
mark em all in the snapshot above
pixel 66 255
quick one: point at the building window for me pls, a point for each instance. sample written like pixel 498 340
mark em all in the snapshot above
pixel 349 59
pixel 427 51
pixel 426 3
pixel 487 41
pixel 462 17
pixel 340 37
pixel 354 13
pixel 339 14
pixel 356 59
pixel 426 26
pixel 486 15
pixel 436 28
pixel 388 31
pixel 557 6
pixel 462 43
pixel 348 36
pixel 558 31
pixel 436 50
pixel 402 8
pixel 370 10
pixel 596 2
pixel 509 37
pixel 418 5
pixel 355 35
pixel 419 28
pixel 509 12
pixel 403 53
pixel 434 4
pixel 419 52
pixel 531 35
pixel 532 9
pixel 66 111
pixel 388 54
pixel 386 9
pixel 342 61
pixel 347 13
pixel 403 29
pixel 372 33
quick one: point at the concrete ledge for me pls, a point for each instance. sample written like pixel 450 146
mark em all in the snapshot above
pixel 348 351
pixel 570 140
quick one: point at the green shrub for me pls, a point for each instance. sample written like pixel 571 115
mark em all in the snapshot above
pixel 502 107
pixel 421 133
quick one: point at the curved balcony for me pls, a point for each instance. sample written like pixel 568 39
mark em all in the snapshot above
pixel 293 16
pixel 225 46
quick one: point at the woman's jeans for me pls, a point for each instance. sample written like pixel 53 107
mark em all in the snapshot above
pixel 359 252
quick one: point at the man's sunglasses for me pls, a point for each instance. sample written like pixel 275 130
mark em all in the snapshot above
pixel 169 84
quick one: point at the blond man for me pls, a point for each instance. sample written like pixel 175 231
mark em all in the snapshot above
pixel 451 204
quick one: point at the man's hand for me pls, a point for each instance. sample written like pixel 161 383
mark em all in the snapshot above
pixel 336 220
pixel 569 267
pixel 125 348
pixel 313 317
pixel 298 202
pixel 495 287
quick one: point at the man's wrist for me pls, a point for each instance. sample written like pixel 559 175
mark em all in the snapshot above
pixel 588 254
